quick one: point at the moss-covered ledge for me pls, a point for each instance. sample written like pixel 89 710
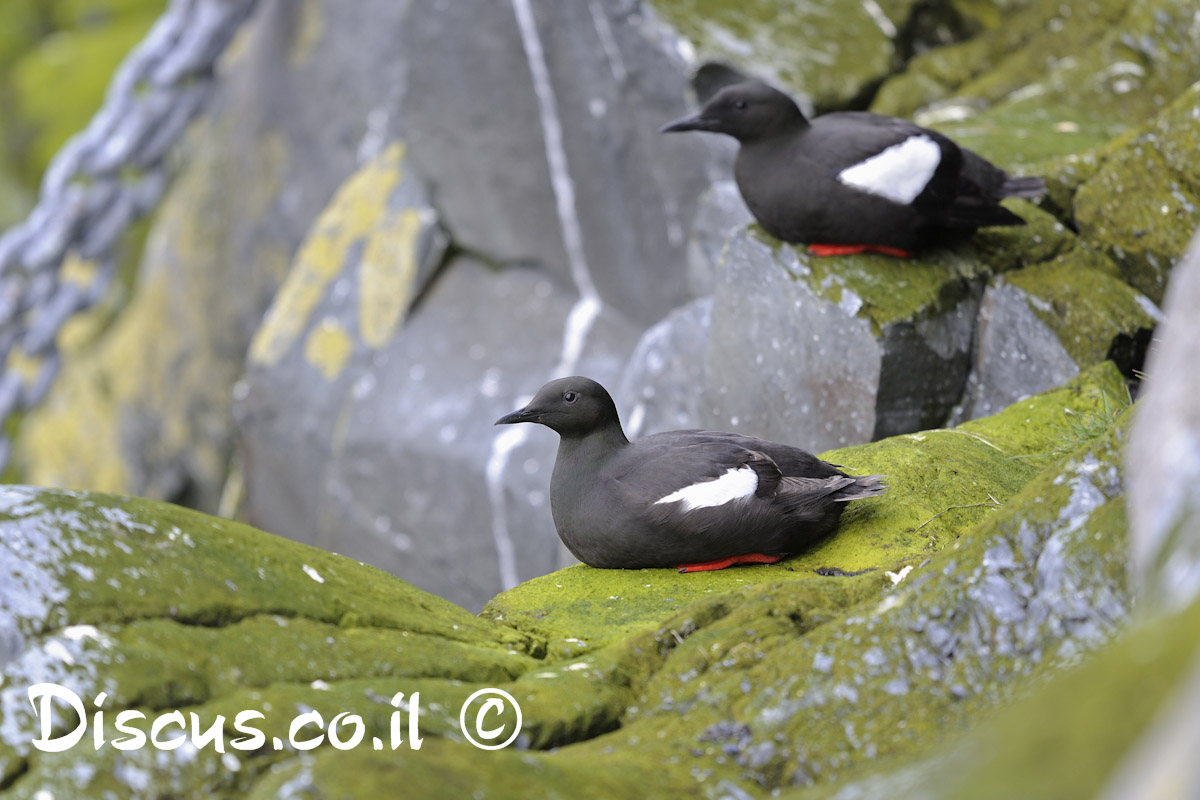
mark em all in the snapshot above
pixel 941 482
pixel 980 564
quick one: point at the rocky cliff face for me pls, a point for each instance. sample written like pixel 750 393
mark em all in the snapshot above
pixel 397 223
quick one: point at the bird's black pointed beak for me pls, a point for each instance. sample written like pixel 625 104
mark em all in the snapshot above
pixel 520 415
pixel 692 123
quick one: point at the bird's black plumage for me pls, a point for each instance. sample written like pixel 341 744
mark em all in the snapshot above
pixel 612 499
pixel 854 177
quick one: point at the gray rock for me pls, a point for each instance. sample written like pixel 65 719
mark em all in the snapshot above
pixel 535 125
pixel 486 104
pixel 1016 354
pixel 1163 460
pixel 661 387
pixel 395 461
pixel 720 213
pixel 803 351
pixel 1039 326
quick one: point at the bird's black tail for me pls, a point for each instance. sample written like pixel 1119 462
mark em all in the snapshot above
pixel 1023 187
pixel 864 486
pixel 976 212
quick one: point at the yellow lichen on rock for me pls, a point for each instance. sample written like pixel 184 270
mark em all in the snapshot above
pixel 358 209
pixel 387 274
pixel 327 347
pixel 309 29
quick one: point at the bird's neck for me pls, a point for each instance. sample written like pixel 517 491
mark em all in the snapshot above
pixel 593 451
pixel 788 123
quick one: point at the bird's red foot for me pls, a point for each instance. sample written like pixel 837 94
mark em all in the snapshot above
pixel 722 563
pixel 855 249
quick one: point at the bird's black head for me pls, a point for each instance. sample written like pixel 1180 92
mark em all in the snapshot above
pixel 746 111
pixel 572 407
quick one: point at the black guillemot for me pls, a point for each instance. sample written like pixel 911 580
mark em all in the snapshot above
pixel 854 181
pixel 693 500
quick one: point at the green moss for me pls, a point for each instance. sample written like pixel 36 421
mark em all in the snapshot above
pixel 231 572
pixel 1052 80
pixel 875 682
pixel 22 24
pixel 1142 202
pixel 754 677
pixel 888 290
pixel 445 770
pixel 1028 427
pixel 832 51
pixel 940 483
pixel 58 86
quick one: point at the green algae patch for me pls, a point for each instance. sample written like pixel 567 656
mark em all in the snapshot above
pixel 1054 76
pixel 580 608
pixel 443 769
pixel 1040 426
pixel 748 679
pixel 888 291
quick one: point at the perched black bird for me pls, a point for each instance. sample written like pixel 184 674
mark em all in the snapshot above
pixel 695 500
pixel 853 181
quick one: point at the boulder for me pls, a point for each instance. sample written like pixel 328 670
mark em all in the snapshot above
pixel 1039 326
pixel 1163 462
pixel 542 135
pixel 145 406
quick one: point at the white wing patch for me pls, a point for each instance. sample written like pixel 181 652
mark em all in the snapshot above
pixel 735 484
pixel 899 173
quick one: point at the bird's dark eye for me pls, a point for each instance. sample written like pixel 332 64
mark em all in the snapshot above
pixel 740 105
pixel 570 397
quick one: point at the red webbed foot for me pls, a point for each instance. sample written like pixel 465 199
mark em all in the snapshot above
pixel 722 563
pixel 855 249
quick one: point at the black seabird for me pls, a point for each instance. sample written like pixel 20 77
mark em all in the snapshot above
pixel 694 500
pixel 853 181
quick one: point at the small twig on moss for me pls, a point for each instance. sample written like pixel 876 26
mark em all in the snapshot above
pixel 992 502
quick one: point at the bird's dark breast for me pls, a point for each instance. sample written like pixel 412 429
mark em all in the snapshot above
pixel 664 536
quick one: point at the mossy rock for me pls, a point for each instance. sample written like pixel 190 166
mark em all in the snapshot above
pixel 747 680
pixel 1059 742
pixel 1052 80
pixel 1091 312
pixel 834 52
pixel 1141 202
